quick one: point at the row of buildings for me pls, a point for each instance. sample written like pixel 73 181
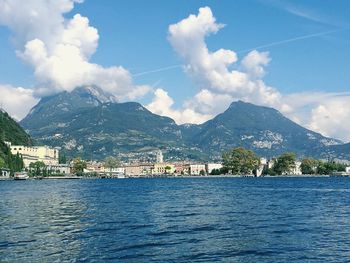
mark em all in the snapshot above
pixel 158 168
pixel 50 157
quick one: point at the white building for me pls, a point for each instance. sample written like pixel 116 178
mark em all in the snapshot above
pixel 60 168
pixel 31 154
pixel 347 169
pixel 211 166
pixel 159 157
pixel 297 169
pixel 4 173
pixel 197 169
pixel 263 163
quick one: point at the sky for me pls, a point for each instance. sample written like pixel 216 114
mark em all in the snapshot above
pixel 184 59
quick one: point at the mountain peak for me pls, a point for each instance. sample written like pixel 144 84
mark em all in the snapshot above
pixel 94 94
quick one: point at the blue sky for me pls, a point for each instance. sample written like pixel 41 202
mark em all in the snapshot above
pixel 134 34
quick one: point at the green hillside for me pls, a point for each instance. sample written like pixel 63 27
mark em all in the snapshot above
pixel 11 131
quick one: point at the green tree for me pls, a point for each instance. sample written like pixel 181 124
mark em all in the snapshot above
pixel 111 162
pixel 329 167
pixel 2 163
pixel 240 161
pixel 167 169
pixel 215 172
pixel 309 166
pixel 202 172
pixel 37 168
pixel 285 163
pixel 62 159
pixel 78 166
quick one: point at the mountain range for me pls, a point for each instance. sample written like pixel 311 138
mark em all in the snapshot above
pixel 91 123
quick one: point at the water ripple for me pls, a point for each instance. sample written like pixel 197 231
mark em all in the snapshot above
pixel 176 220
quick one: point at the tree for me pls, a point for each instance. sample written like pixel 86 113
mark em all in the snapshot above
pixel 215 172
pixel 202 172
pixel 329 167
pixel 62 159
pixel 240 161
pixel 2 163
pixel 37 168
pixel 78 166
pixel 167 169
pixel 285 163
pixel 309 166
pixel 111 162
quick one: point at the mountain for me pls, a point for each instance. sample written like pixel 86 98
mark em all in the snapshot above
pixel 90 123
pixel 341 151
pixel 83 124
pixel 262 129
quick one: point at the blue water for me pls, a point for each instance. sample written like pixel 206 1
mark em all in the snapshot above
pixel 176 220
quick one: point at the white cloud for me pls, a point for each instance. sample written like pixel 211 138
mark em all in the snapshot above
pixel 327 113
pixel 212 69
pixel 59 49
pixel 255 62
pixel 332 118
pixel 16 101
pixel 162 104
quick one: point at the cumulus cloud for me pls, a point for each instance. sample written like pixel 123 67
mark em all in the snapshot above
pixel 16 100
pixel 59 49
pixel 332 117
pixel 212 70
pixel 162 104
pixel 324 112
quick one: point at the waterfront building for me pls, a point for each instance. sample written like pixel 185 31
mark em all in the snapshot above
pixel 297 169
pixel 181 168
pixel 263 163
pixel 347 169
pixel 132 169
pixel 138 169
pixel 31 154
pixel 60 168
pixel 146 168
pixel 118 170
pixel 196 169
pixel 163 168
pixel 4 172
pixel 94 167
pixel 209 167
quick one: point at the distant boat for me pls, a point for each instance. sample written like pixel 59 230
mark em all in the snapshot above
pixel 21 176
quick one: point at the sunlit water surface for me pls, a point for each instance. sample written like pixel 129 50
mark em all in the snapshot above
pixel 176 220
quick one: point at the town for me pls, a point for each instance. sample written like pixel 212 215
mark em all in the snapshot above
pixel 45 162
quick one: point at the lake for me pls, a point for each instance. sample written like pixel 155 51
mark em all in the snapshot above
pixel 176 220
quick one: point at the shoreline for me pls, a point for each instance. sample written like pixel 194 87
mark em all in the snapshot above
pixel 168 177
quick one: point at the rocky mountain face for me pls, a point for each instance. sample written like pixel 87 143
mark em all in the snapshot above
pixel 262 129
pixel 92 126
pixel 90 123
pixel 341 151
